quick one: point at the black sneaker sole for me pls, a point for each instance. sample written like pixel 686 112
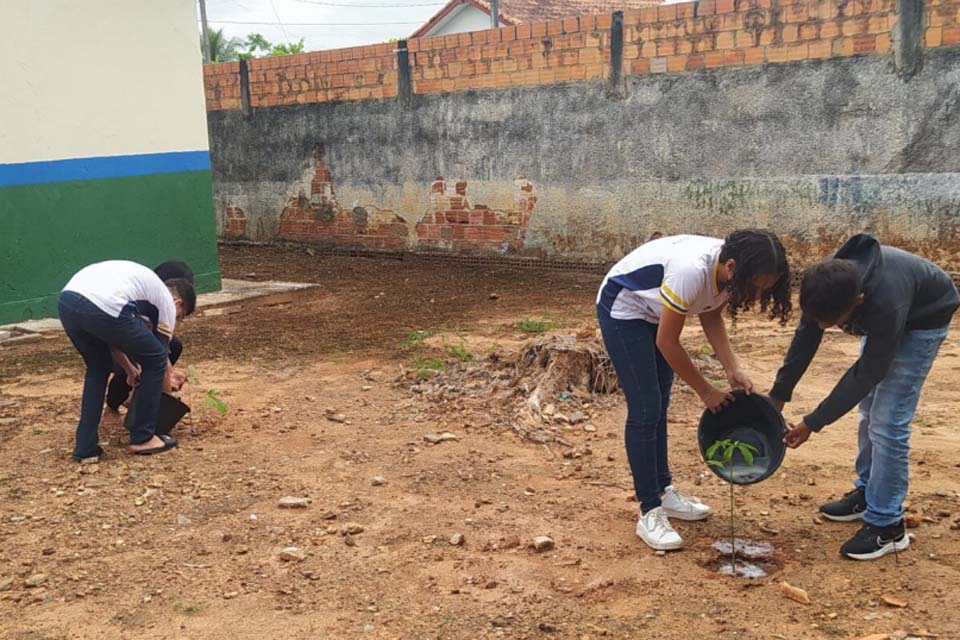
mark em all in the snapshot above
pixel 848 518
pixel 890 547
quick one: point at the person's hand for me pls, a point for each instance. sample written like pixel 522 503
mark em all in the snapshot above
pixel 133 376
pixel 177 380
pixel 738 379
pixel 797 435
pixel 777 404
pixel 715 399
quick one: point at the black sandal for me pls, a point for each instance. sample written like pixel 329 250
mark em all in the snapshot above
pixel 169 442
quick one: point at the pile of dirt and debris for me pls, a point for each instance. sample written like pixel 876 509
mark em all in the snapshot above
pixel 549 384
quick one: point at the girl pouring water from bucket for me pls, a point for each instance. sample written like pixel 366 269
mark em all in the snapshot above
pixel 642 307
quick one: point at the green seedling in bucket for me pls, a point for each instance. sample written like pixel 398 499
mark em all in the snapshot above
pixel 720 454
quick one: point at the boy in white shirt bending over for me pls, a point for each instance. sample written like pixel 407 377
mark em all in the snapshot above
pixel 110 310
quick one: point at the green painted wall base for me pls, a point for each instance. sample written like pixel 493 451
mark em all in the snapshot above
pixel 50 231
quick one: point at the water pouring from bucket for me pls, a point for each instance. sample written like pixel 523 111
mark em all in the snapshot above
pixel 755 429
pixel 743 444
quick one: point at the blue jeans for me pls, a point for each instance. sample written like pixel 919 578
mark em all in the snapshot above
pixel 646 380
pixel 884 438
pixel 93 332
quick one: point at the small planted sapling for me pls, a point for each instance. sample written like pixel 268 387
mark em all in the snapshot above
pixel 214 402
pixel 720 454
pixel 211 397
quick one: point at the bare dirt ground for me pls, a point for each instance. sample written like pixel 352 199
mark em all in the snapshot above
pixel 323 398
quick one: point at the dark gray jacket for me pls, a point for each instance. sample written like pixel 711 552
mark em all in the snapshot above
pixel 902 292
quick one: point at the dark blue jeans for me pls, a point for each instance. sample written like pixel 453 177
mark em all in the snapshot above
pixel 93 332
pixel 646 380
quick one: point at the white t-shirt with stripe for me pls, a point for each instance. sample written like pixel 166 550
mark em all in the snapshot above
pixel 678 273
pixel 114 284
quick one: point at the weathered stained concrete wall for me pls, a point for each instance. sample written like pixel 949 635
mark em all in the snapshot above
pixel 814 149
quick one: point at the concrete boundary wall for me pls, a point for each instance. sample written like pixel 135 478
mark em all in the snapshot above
pixel 575 139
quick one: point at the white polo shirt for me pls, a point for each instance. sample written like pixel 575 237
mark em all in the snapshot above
pixel 678 273
pixel 114 284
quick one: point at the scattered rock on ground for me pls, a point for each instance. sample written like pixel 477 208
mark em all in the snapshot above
pixel 293 554
pixel 543 543
pixel 894 601
pixel 378 481
pixel 291 502
pixel 434 438
pixel 794 593
pixel 351 528
pixel 456 539
pixel 35 580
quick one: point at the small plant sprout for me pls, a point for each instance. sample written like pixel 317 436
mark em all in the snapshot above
pixel 214 402
pixel 721 454
pixel 211 398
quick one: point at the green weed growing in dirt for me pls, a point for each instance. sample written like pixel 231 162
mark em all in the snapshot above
pixel 720 454
pixel 459 351
pixel 415 339
pixel 531 325
pixel 429 367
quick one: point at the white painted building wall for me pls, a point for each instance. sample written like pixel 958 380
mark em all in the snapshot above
pixel 464 18
pixel 91 78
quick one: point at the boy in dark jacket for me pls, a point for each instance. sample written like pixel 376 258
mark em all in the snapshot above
pixel 902 305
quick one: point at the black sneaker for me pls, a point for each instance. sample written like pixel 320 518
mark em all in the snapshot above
pixel 848 508
pixel 873 542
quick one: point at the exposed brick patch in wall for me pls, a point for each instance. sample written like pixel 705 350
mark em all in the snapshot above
pixel 235 223
pixel 452 224
pixel 942 23
pixel 320 218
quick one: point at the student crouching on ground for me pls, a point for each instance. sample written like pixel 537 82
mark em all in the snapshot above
pixel 123 381
pixel 121 309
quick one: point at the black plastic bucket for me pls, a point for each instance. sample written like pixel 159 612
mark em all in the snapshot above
pixel 171 412
pixel 753 420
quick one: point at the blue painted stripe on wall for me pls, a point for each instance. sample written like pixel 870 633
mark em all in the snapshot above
pixel 102 167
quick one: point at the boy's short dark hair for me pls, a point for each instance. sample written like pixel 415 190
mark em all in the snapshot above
pixel 174 269
pixel 185 291
pixel 829 289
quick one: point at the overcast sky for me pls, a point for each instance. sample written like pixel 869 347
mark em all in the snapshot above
pixel 323 24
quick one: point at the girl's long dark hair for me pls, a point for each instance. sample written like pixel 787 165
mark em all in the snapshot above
pixel 758 252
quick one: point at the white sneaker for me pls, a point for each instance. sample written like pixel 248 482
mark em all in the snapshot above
pixel 676 505
pixel 654 528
